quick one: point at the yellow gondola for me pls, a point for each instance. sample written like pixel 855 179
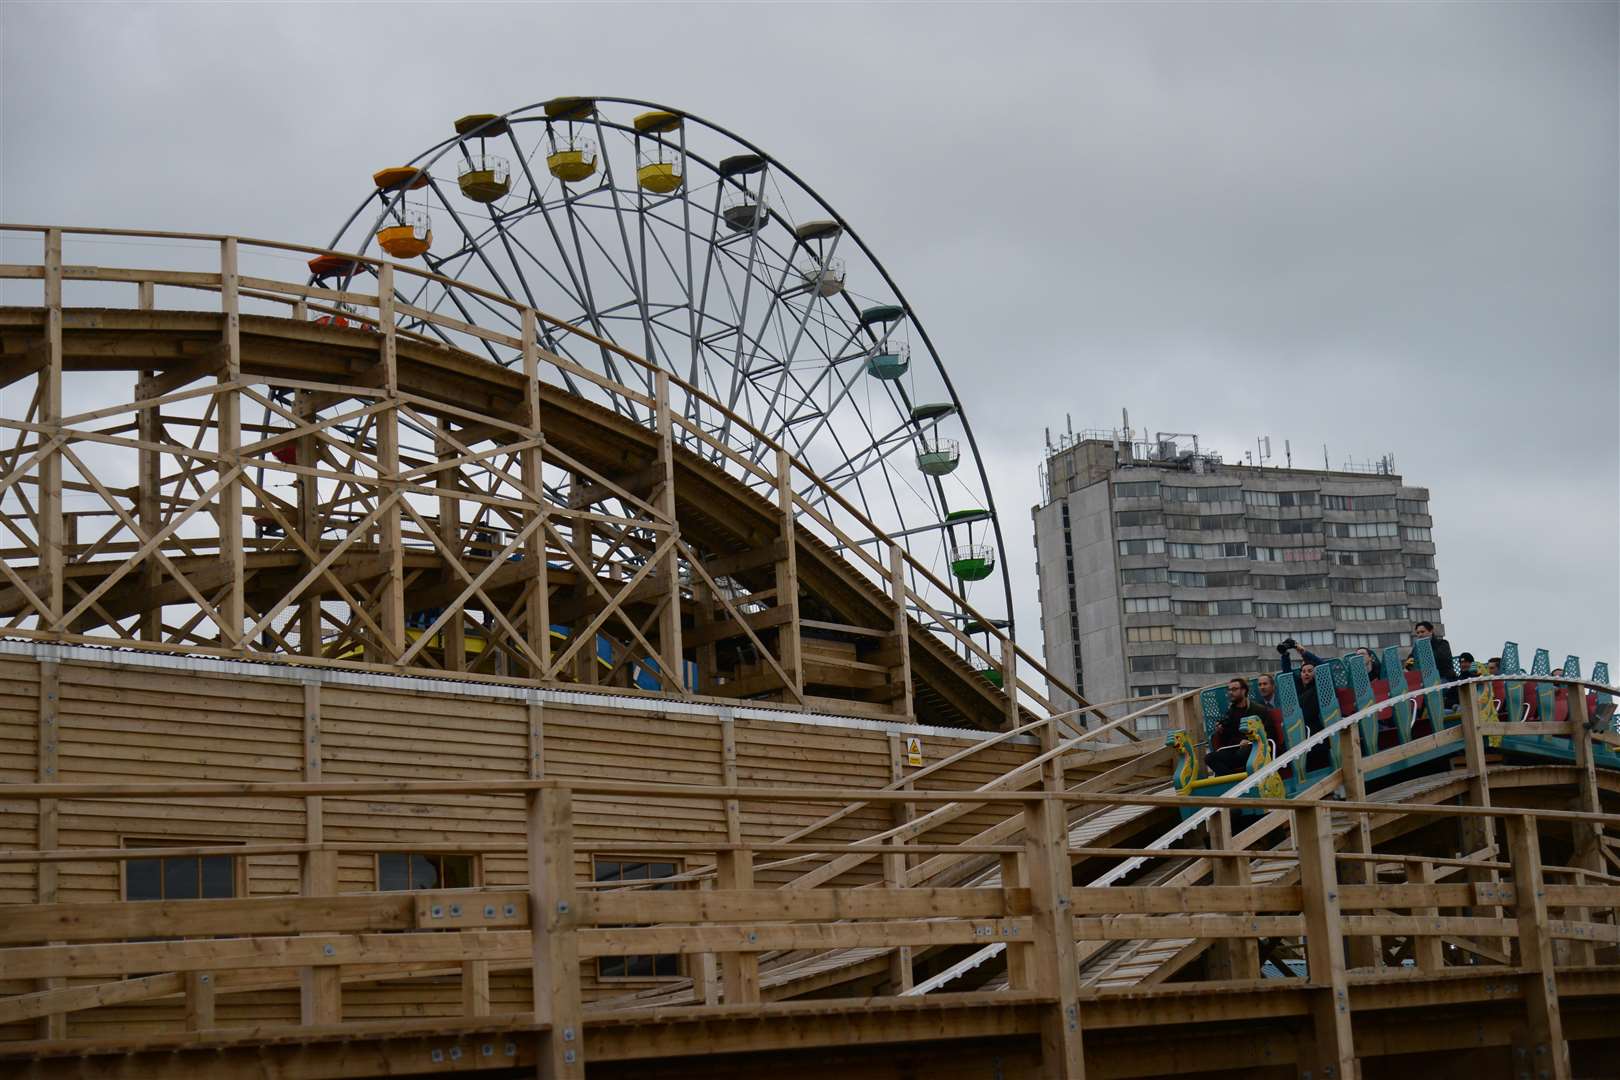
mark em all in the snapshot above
pixel 655 172
pixel 484 177
pixel 573 160
pixel 400 178
pixel 409 238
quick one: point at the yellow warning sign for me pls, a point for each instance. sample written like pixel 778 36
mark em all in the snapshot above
pixel 913 751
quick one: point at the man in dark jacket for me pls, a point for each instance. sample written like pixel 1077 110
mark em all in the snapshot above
pixel 1319 757
pixel 1228 749
pixel 1442 656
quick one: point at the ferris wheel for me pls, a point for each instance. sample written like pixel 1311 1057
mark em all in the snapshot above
pixel 669 237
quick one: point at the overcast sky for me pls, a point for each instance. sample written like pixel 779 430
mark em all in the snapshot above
pixel 1387 228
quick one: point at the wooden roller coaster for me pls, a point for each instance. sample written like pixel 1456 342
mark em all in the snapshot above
pixel 470 711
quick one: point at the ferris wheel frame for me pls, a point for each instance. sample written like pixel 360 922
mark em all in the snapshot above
pixel 392 203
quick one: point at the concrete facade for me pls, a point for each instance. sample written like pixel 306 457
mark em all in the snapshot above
pixel 1168 573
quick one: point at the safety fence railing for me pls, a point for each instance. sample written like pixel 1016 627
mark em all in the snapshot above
pixel 1529 922
pixel 767 468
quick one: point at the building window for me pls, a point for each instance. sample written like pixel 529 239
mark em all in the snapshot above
pixel 1271 554
pixel 1374 641
pixel 1158 662
pixel 183 877
pixel 1293 611
pixel 1419 562
pixel 1233 636
pixel 630 872
pixel 1417 532
pixel 1381 557
pixel 1361 530
pixel 1412 506
pixel 1141 547
pixel 1138 635
pixel 1285 582
pixel 1138 605
pixel 1423 588
pixel 1217 665
pixel 403 870
pixel 1210 579
pixel 1370 614
pixel 1418 615
pixel 1208 551
pixel 1198 523
pixel 1369 585
pixel 1148 575
pixel 1135 519
pixel 1303 637
pixel 1358 502
pixel 1211 607
pixel 1161 690
pixel 1137 489
pixel 1203 494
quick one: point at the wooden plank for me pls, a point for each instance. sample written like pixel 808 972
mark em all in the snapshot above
pixel 59 1002
pixel 554 945
pixel 48 770
pixel 739 970
pixel 48 961
pixel 1547 1047
pixel 1235 958
pixel 1334 1048
pixel 757 938
pixel 724 905
pixel 1056 971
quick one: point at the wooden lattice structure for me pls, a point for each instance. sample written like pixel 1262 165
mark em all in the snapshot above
pixel 321 591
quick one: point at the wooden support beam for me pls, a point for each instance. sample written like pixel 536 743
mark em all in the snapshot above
pixel 48 771
pixel 670 649
pixel 1020 954
pixel 537 587
pixel 1334 1049
pixel 1232 958
pixel 228 429
pixel 789 646
pixel 902 631
pixel 1547 1050
pixel 448 481
pixel 739 971
pixel 1478 833
pixel 894 866
pixel 554 912
pixel 51 536
pixel 390 588
pixel 1056 974
pixel 1365 951
pixel 320 988
pixel 1427 951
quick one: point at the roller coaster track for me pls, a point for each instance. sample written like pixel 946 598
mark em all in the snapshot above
pixel 346 388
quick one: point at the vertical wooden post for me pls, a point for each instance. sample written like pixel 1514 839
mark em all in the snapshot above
pixel 1019 953
pixel 894 869
pixel 1324 945
pixel 308 523
pixel 148 507
pixel 48 771
pixel 734 869
pixel 1478 833
pixel 455 630
pixel 1009 679
pixel 1056 973
pixel 1365 951
pixel 582 538
pixel 787 578
pixel 1426 950
pixel 1231 958
pixel 1548 1050
pixel 902 632
pixel 200 1000
pixel 538 626
pixel 320 989
pixel 669 619
pixel 1587 847
pixel 554 915
pixel 228 423
pixel 50 420
pixel 390 592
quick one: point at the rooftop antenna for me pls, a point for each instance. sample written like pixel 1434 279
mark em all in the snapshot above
pixel 1289 451
pixel 1325 465
pixel 1125 422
